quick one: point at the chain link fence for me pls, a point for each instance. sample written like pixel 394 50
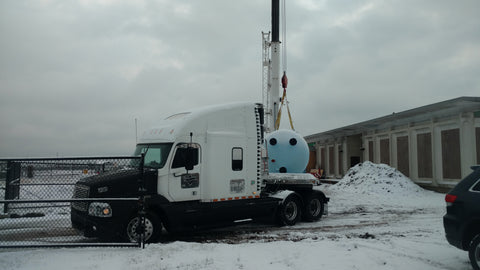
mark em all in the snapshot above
pixel 37 197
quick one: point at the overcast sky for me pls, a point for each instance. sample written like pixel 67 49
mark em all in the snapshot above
pixel 74 75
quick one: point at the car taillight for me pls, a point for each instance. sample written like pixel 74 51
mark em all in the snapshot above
pixel 450 199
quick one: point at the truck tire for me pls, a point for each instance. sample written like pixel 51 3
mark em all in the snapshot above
pixel 474 252
pixel 153 228
pixel 289 211
pixel 313 210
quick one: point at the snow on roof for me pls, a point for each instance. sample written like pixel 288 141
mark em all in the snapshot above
pixel 377 179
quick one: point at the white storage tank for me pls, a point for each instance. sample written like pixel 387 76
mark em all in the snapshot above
pixel 287 152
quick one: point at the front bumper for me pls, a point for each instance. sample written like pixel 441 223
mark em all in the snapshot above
pixel 89 226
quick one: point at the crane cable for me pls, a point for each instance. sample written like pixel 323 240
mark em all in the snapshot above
pixel 284 65
pixel 283 18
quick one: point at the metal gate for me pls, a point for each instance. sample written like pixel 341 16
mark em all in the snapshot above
pixel 36 197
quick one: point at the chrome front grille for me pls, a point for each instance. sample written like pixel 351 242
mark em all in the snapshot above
pixel 80 192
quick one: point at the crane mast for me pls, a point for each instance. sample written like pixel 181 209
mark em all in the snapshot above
pixel 271 69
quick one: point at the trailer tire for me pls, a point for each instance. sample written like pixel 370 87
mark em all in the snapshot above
pixel 314 206
pixel 289 211
pixel 153 228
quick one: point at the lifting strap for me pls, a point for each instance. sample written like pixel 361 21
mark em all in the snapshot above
pixel 284 101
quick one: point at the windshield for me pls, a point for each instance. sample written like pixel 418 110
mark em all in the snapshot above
pixel 155 154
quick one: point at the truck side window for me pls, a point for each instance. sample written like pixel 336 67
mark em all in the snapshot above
pixel 179 159
pixel 237 159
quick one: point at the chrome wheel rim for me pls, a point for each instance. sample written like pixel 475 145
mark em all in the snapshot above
pixel 291 211
pixel 132 226
pixel 314 207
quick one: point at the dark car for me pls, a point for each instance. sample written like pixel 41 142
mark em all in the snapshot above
pixel 462 221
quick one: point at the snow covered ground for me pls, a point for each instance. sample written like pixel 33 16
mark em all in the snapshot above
pixel 378 219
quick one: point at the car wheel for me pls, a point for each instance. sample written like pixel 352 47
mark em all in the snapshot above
pixel 474 252
pixel 313 207
pixel 153 228
pixel 290 211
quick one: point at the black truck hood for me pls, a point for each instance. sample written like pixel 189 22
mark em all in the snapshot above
pixel 120 183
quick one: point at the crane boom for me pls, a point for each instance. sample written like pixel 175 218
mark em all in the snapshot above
pixel 271 69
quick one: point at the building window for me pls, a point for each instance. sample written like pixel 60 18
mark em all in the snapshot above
pixel 322 158
pixel 385 151
pixel 451 154
pixel 403 155
pixel 370 151
pixel 331 160
pixel 340 163
pixel 237 159
pixel 424 155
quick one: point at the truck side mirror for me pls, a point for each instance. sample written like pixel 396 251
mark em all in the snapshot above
pixel 190 158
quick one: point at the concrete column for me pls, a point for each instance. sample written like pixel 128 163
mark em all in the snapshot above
pixel 437 167
pixel 467 143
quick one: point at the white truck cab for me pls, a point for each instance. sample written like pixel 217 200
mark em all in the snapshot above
pixel 203 167
pixel 228 149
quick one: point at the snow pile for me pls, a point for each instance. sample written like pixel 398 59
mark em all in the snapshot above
pixel 377 179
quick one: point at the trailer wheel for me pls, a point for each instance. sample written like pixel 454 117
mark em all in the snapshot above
pixel 153 228
pixel 290 211
pixel 313 207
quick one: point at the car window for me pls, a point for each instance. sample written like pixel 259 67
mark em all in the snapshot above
pixel 476 186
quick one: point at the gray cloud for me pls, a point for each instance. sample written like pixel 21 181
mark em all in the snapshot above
pixel 74 75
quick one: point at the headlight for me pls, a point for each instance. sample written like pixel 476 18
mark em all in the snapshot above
pixel 99 209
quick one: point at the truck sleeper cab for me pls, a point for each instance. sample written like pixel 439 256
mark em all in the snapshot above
pixel 202 168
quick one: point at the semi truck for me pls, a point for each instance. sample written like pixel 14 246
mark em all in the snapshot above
pixel 201 168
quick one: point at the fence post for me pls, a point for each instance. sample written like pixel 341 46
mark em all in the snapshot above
pixel 141 201
pixel 12 183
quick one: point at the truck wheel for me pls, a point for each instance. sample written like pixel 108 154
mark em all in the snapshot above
pixel 290 211
pixel 474 252
pixel 153 228
pixel 313 207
